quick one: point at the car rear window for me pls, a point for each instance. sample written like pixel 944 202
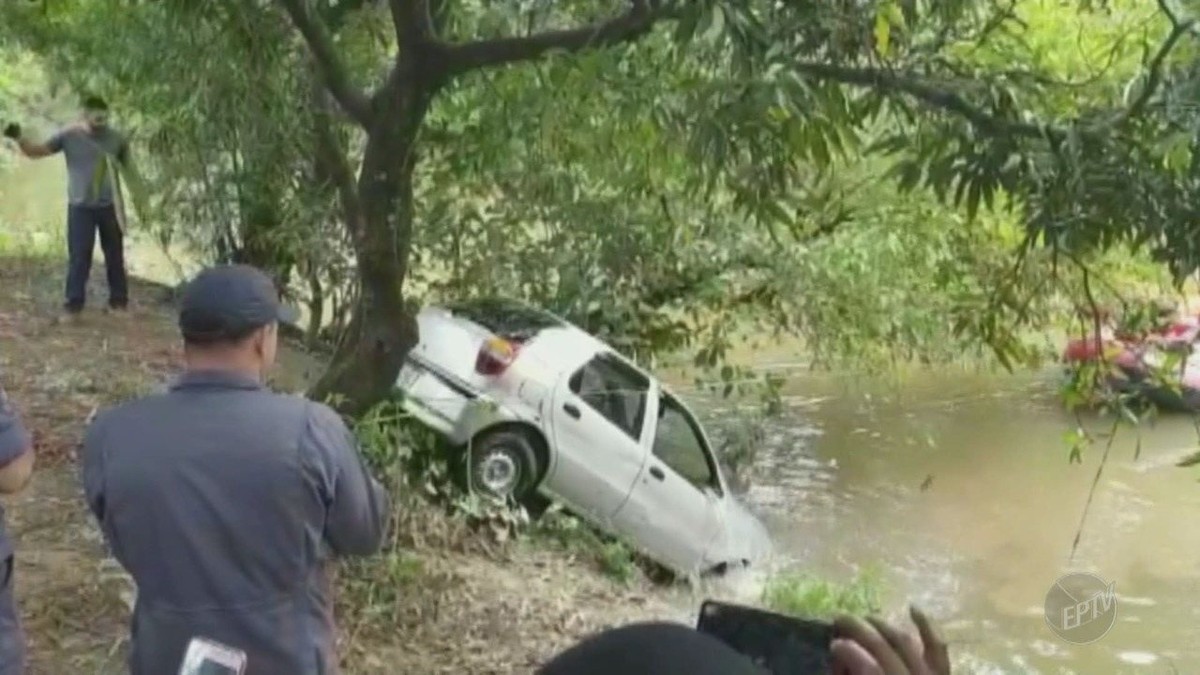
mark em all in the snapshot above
pixel 507 318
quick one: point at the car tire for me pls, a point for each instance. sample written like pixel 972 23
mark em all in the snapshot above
pixel 503 464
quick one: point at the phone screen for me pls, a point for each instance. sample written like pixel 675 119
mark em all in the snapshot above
pixel 205 657
pixel 208 667
pixel 780 644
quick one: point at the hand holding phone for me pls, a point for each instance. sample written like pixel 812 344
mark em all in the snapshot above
pixel 777 643
pixel 786 645
pixel 874 647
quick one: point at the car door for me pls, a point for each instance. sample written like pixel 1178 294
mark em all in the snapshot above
pixel 598 418
pixel 673 509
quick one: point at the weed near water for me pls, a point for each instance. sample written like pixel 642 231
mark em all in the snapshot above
pixel 804 595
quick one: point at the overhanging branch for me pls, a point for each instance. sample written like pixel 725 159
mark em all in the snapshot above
pixel 631 25
pixel 330 157
pixel 333 72
pixel 1154 77
pixel 932 96
pixel 984 121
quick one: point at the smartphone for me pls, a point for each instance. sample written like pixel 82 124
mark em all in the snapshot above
pixel 778 643
pixel 205 657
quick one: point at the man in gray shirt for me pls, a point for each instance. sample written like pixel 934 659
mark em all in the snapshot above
pixel 92 150
pixel 224 500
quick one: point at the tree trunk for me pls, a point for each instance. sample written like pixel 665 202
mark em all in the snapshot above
pixel 383 328
pixel 316 306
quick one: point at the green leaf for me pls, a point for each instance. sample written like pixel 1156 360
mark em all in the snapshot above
pixel 883 33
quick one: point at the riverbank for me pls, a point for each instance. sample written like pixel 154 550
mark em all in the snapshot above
pixel 455 600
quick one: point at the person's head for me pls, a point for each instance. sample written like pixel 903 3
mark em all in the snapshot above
pixel 95 112
pixel 651 648
pixel 229 317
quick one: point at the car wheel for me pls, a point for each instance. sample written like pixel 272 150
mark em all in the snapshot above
pixel 503 464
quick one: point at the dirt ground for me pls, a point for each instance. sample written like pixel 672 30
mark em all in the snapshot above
pixel 443 610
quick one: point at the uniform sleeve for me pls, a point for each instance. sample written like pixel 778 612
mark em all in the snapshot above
pixel 92 458
pixel 14 440
pixel 356 505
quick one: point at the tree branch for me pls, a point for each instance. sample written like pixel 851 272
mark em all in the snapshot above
pixel 412 22
pixel 330 162
pixel 333 72
pixel 1154 77
pixel 932 96
pixel 631 25
pixel 335 15
pixel 951 102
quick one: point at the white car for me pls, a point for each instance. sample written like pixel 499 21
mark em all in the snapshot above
pixel 542 407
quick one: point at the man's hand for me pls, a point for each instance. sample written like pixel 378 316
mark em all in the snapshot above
pixel 872 647
pixel 12 130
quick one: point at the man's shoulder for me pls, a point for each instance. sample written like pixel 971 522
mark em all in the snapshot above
pixel 68 135
pixel 325 430
pixel 321 413
pixel 102 417
pixel 268 406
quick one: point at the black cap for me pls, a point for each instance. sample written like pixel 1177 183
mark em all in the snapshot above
pixel 94 102
pixel 228 302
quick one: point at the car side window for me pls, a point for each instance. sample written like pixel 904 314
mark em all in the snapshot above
pixel 677 442
pixel 615 390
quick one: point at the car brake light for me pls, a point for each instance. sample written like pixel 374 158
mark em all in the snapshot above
pixel 495 355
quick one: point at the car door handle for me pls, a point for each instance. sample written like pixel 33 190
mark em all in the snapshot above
pixel 571 410
pixel 657 473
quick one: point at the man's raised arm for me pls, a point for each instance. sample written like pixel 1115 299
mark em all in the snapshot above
pixel 31 149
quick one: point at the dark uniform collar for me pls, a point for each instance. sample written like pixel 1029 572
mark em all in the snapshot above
pixel 216 379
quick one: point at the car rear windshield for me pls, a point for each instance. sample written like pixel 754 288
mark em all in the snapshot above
pixel 507 318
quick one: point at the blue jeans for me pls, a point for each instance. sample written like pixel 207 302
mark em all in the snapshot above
pixel 83 224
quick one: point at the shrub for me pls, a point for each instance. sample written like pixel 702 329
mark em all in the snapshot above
pixel 804 595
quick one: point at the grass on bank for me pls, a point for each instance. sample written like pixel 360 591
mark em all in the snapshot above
pixel 804 595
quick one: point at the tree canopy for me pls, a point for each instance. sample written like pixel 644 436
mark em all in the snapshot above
pixel 881 177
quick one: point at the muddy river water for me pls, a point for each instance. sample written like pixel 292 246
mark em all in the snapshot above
pixel 957 489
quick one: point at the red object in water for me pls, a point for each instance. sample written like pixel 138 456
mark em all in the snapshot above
pixel 1085 350
pixel 1082 349
pixel 1182 330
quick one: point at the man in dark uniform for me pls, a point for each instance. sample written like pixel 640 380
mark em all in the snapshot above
pixel 16 466
pixel 224 500
pixel 93 150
